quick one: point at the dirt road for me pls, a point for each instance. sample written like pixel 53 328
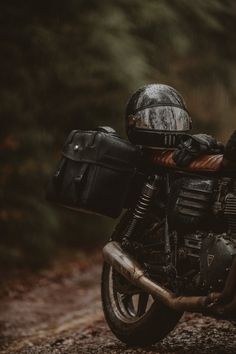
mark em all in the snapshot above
pixel 60 312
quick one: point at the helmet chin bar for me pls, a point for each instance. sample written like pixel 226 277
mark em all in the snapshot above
pixel 155 138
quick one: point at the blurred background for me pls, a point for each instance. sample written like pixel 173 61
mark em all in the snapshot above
pixel 72 65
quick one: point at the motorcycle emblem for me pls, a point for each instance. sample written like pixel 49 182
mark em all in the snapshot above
pixel 210 258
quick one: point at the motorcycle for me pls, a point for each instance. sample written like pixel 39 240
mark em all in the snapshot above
pixel 173 251
pixel 174 247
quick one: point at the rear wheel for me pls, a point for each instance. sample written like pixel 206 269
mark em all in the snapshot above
pixel 132 315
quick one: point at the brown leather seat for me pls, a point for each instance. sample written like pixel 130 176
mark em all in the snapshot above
pixel 205 163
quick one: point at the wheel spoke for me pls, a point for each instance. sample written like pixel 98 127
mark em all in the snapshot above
pixel 142 304
pixel 128 303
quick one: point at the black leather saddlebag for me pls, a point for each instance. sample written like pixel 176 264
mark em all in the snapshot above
pixel 95 172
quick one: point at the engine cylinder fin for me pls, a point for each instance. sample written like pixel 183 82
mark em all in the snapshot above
pixel 230 212
pixel 197 190
pixel 197 197
pixel 192 204
pixel 189 212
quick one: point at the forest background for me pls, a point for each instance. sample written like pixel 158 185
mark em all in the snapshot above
pixel 72 65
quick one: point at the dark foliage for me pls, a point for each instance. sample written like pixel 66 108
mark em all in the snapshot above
pixel 72 64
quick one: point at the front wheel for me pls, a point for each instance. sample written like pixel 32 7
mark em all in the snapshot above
pixel 132 315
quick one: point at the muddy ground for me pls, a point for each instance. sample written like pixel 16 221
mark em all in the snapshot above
pixel 59 311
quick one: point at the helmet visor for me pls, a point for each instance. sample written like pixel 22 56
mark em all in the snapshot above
pixel 163 118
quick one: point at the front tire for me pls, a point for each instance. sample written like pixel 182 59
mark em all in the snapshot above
pixel 139 322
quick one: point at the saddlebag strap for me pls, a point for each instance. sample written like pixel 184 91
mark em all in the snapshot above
pixel 107 130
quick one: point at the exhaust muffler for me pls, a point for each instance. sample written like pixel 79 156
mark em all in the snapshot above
pixel 132 271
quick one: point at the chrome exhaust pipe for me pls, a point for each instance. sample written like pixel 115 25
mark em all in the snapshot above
pixel 124 264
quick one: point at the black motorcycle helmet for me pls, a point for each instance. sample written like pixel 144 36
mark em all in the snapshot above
pixel 156 116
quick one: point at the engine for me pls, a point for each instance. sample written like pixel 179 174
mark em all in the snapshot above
pixel 205 260
pixel 209 206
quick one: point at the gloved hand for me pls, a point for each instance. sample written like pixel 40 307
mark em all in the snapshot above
pixel 194 146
